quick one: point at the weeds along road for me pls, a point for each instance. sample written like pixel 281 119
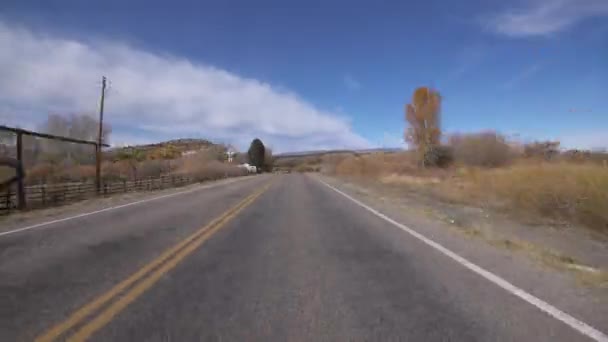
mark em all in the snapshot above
pixel 270 258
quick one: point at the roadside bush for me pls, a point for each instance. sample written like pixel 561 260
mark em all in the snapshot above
pixel 153 168
pixel 211 170
pixel 330 161
pixel 486 149
pixel 113 171
pixel 359 166
pixel 370 165
pixel 438 156
pixel 40 174
pixel 307 168
pixel 545 150
pixel 75 173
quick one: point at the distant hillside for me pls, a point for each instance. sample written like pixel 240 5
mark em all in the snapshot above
pixel 326 152
pixel 164 150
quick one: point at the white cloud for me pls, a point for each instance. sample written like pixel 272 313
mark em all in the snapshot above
pixel 157 96
pixel 543 17
pixel 393 140
pixel 351 83
pixel 466 61
pixel 522 76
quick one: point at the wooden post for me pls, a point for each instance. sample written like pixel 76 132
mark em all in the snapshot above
pixel 8 200
pixel 99 137
pixel 20 188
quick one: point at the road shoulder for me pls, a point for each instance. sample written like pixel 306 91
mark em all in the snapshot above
pixel 537 270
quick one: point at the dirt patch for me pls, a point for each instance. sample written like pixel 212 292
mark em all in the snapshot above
pixel 408 180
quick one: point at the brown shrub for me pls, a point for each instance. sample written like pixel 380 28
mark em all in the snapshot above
pixel 370 165
pixel 41 173
pixel 307 168
pixel 438 156
pixel 210 170
pixel 545 150
pixel 585 156
pixel 119 170
pixel 153 168
pixel 575 192
pixel 487 149
pixel 330 161
pixel 75 173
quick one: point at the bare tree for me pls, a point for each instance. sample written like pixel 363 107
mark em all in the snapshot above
pixel 268 159
pixel 79 126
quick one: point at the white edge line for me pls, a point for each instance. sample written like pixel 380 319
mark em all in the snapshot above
pixel 554 312
pixel 39 225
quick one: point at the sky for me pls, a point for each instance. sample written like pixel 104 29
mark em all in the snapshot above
pixel 308 75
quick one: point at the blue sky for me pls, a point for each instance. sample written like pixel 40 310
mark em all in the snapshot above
pixel 309 75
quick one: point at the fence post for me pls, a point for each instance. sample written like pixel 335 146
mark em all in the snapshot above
pixel 43 193
pixel 20 187
pixel 124 185
pixel 8 200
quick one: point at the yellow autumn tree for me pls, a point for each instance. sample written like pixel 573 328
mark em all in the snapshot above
pixel 423 116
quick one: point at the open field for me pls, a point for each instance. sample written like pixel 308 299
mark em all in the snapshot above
pixel 561 190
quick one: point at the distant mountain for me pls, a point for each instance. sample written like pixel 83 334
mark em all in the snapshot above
pixel 325 152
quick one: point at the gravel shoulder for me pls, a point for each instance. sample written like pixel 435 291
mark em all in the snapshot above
pixel 574 244
pixel 563 267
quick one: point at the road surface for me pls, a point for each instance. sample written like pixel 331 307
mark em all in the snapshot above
pixel 269 258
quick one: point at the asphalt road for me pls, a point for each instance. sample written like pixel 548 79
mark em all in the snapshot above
pixel 289 259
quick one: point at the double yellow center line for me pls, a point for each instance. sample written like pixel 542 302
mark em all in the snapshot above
pixel 140 281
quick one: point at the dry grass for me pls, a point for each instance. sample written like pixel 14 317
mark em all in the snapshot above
pixel 307 168
pixel 378 165
pixel 560 190
pixel 571 192
pixel 587 275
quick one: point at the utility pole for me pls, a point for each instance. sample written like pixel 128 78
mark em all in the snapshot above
pixel 99 138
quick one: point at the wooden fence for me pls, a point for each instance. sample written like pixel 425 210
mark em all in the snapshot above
pixel 48 195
